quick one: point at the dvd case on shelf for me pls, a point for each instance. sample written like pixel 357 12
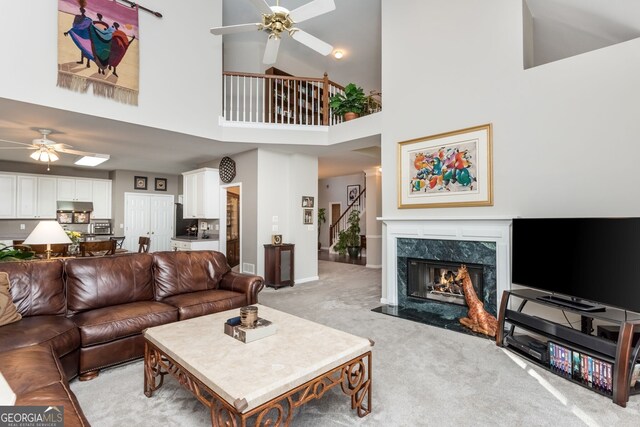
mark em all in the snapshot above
pixel 588 370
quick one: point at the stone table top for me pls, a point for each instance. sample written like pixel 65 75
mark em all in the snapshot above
pixel 261 370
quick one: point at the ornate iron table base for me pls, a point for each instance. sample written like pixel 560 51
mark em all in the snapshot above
pixel 354 377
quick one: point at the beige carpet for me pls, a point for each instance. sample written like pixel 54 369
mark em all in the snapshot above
pixel 421 375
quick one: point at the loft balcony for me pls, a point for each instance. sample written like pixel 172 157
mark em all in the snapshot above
pixel 277 98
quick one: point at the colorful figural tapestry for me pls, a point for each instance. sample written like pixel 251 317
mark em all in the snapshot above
pixel 98 46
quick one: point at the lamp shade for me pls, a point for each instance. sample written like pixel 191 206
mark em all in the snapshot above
pixel 47 232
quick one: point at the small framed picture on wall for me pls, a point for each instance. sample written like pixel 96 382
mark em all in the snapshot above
pixel 140 183
pixel 161 184
pixel 352 193
pixel 308 216
pixel 307 201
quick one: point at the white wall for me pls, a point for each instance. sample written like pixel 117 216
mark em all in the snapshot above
pixel 180 65
pixel 282 181
pixel 564 133
pixel 304 182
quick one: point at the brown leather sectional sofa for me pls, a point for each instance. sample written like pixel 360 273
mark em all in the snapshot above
pixel 89 313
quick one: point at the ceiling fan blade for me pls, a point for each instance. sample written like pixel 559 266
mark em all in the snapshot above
pixel 311 10
pixel 262 6
pixel 312 42
pixel 18 143
pixel 17 148
pixel 76 152
pixel 231 29
pixel 60 146
pixel 271 51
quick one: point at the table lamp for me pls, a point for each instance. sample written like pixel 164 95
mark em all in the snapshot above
pixel 47 233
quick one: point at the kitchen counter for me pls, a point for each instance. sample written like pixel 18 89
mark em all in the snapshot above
pixel 214 237
pixel 193 243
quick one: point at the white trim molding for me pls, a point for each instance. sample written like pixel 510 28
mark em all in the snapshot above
pixel 496 230
pixel 307 279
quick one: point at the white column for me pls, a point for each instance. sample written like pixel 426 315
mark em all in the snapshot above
pixel 373 209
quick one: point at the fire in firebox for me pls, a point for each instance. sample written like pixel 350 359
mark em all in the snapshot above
pixel 436 281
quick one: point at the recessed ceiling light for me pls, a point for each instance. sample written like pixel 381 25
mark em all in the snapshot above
pixel 92 160
pixel 338 54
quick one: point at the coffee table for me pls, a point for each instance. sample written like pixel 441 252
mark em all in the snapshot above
pixel 262 381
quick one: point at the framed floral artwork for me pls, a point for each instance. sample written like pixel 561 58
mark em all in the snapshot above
pixel 450 169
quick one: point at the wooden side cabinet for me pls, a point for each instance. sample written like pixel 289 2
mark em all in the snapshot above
pixel 278 265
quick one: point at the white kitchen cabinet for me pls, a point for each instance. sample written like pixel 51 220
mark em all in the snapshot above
pixel 27 189
pixel 195 245
pixel 8 191
pixel 36 197
pixel 75 190
pixel 201 194
pixel 101 195
pixel 47 197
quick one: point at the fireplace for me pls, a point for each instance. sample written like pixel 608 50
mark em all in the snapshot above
pixel 436 280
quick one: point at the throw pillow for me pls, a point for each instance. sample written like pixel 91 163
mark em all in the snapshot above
pixel 8 311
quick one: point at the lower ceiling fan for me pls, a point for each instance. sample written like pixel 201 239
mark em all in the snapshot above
pixel 46 150
pixel 277 19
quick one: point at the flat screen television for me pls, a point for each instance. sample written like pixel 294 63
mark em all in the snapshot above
pixel 595 259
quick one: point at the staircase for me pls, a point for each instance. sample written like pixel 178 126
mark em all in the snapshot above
pixel 341 224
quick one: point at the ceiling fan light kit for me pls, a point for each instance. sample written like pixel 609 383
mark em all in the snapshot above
pixel 277 19
pixel 47 150
pixel 45 154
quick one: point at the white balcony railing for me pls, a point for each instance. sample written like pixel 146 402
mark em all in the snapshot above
pixel 265 98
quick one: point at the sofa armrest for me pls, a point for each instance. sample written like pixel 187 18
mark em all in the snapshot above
pixel 248 284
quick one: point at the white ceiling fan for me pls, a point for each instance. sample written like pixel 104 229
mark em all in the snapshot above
pixel 277 19
pixel 47 150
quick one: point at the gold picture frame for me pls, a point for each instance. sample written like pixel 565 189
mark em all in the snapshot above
pixel 452 169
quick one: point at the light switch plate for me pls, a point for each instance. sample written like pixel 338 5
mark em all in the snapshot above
pixel 274 228
pixel 274 219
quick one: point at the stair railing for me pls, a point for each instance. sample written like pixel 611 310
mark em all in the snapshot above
pixel 342 223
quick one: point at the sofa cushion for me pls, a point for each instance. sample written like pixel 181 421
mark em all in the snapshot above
pixel 8 311
pixel 56 395
pixel 58 331
pixel 111 323
pixel 97 282
pixel 196 304
pixel 36 377
pixel 179 272
pixel 30 368
pixel 37 287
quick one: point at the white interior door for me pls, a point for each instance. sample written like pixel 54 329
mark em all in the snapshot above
pixel 161 222
pixel 149 216
pixel 136 219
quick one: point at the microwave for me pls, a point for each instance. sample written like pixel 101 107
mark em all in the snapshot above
pixel 101 228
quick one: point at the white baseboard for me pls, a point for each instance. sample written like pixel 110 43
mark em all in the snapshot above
pixel 373 266
pixel 307 279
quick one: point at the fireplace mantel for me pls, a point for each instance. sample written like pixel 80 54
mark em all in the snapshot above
pixel 481 229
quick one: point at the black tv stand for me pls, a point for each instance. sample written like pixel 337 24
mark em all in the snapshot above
pixel 570 303
pixel 619 358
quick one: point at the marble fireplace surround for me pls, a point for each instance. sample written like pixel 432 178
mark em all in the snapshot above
pixel 497 230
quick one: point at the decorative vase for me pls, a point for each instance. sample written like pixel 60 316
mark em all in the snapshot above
pixel 350 116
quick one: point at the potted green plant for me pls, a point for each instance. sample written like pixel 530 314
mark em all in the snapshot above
pixel 349 239
pixel 349 104
pixel 9 253
pixel 322 218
